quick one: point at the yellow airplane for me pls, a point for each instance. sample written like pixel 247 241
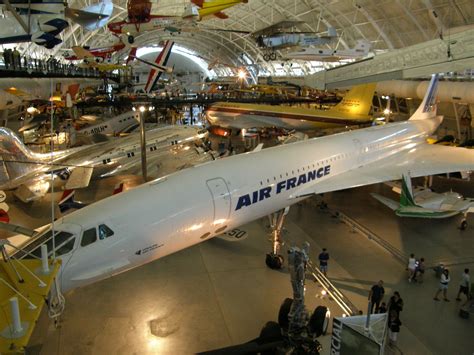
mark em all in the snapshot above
pixel 354 109
pixel 207 8
pixel 103 67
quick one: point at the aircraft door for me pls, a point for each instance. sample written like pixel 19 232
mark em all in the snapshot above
pixel 221 199
pixel 359 149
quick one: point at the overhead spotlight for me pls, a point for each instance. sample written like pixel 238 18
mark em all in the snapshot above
pixel 142 109
pixel 133 108
pixel 242 75
pixel 386 111
pixel 151 108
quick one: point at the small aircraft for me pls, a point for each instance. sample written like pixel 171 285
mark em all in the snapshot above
pixel 95 54
pixel 191 206
pixel 422 202
pixel 141 20
pixel 361 49
pixel 29 173
pixel 277 36
pixel 354 109
pixel 42 21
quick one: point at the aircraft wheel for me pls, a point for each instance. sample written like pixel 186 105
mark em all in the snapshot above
pixel 319 321
pixel 266 57
pixel 131 39
pixel 274 261
pixel 283 313
pixel 273 56
pixel 271 332
pixel 463 225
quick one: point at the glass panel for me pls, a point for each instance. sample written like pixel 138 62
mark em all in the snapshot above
pixel 66 248
pixel 105 232
pixel 88 237
pixel 61 237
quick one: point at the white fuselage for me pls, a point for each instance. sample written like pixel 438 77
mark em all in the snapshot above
pixel 113 125
pixel 193 205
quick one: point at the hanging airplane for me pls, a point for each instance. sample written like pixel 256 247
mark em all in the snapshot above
pixel 424 203
pixel 361 49
pixel 94 54
pixel 280 36
pixel 29 173
pixel 158 67
pixel 141 20
pixel 42 21
pixel 188 207
pixel 354 109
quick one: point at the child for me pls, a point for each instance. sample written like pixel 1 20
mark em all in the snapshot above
pixel 383 308
pixel 393 328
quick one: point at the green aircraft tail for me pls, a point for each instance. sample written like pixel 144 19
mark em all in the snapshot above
pixel 406 195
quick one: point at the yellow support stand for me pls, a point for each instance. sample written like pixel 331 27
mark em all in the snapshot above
pixel 24 288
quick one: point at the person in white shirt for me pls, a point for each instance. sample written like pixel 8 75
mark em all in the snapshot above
pixel 443 285
pixel 411 267
pixel 465 286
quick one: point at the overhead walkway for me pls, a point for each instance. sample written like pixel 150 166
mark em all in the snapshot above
pixel 41 69
pixel 453 53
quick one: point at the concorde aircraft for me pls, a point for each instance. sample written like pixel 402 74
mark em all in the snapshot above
pixel 193 205
pixel 29 173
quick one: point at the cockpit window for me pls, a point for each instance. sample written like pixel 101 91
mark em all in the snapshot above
pixel 88 237
pixel 66 247
pixel 105 232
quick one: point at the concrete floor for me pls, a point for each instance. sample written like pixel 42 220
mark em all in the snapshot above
pixel 221 293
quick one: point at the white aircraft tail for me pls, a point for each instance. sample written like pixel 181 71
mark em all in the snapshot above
pixel 427 108
pixel 362 47
pixel 16 158
pixel 159 66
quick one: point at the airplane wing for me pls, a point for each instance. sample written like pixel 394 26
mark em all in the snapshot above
pixel 81 52
pixel 80 177
pixel 393 205
pixel 424 160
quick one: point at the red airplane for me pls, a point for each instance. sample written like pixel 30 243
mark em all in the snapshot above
pixel 97 54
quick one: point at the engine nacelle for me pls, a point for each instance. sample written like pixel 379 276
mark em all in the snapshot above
pixel 45 39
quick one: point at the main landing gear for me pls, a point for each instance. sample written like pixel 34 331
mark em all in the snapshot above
pixel 274 260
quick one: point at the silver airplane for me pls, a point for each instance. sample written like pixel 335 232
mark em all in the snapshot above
pixel 29 173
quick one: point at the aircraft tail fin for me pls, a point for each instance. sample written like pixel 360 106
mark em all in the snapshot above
pixel 427 108
pixel 16 158
pixel 357 102
pixel 406 196
pixel 131 55
pixel 160 61
pixel 118 188
pixel 332 32
pixel 362 47
pixel 68 202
